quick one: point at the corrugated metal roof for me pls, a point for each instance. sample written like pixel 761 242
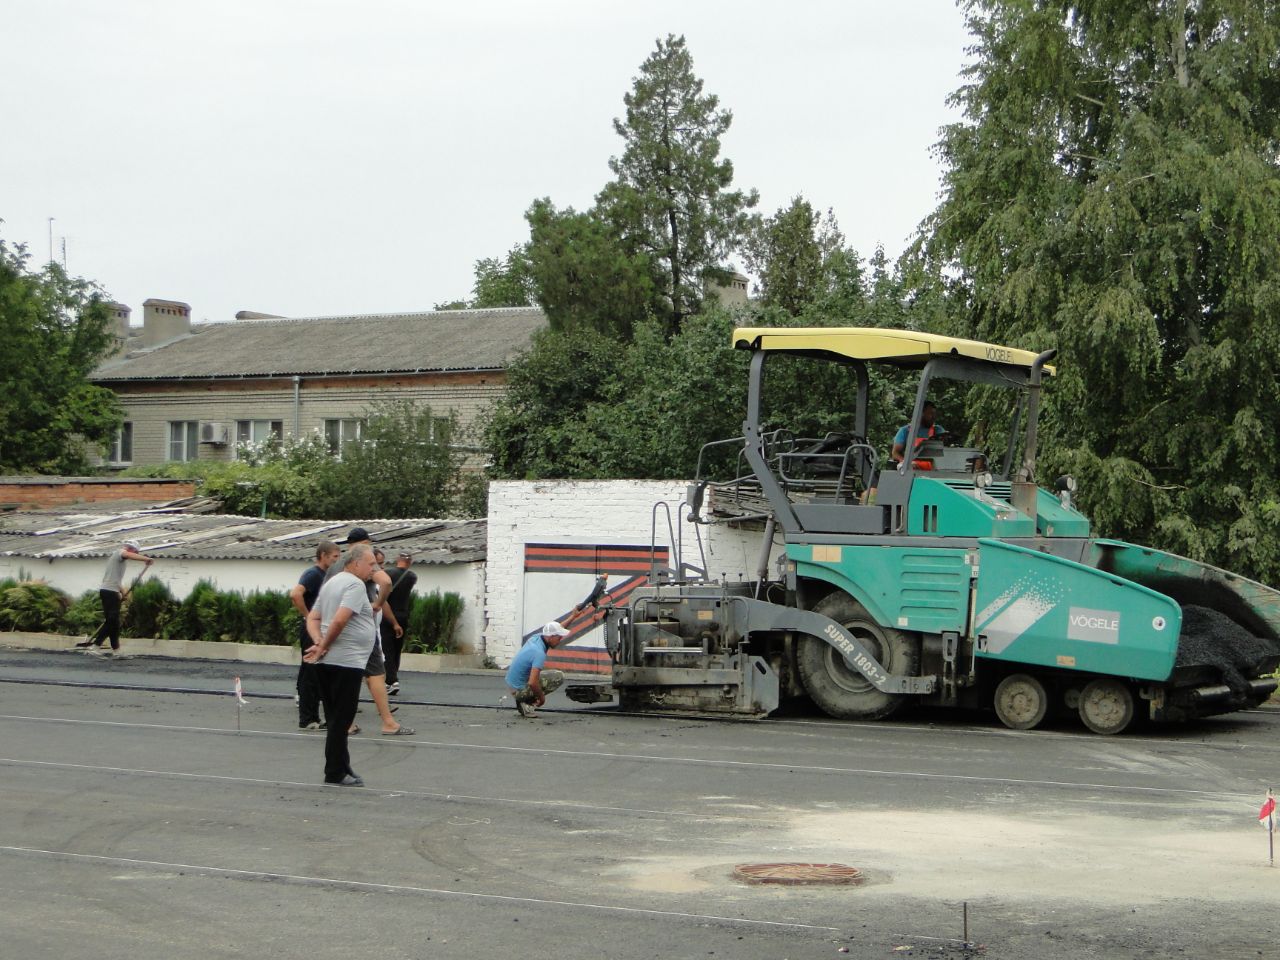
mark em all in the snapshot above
pixel 436 341
pixel 166 533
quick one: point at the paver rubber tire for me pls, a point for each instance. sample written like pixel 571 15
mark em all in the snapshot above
pixel 1021 701
pixel 1106 706
pixel 838 689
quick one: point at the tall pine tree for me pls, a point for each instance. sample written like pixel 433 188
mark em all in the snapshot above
pixel 671 198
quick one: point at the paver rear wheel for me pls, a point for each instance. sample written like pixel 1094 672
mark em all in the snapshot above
pixel 1106 706
pixel 838 689
pixel 1021 701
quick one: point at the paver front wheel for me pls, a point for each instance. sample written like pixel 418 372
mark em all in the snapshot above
pixel 838 689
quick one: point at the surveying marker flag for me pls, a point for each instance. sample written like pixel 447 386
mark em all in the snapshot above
pixel 240 700
pixel 1266 814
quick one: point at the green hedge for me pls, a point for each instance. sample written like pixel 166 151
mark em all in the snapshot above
pixel 432 620
pixel 207 613
pixel 31 605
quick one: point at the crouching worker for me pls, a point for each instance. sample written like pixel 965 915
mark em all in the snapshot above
pixel 529 683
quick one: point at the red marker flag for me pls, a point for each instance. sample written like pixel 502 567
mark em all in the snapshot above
pixel 1268 808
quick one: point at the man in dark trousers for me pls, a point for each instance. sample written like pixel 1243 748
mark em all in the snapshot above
pixel 303 595
pixel 400 599
pixel 112 592
pixel 343 635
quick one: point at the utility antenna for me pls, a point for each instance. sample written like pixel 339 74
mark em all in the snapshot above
pixel 51 219
pixel 64 254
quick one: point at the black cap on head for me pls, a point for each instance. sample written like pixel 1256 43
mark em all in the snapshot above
pixel 358 534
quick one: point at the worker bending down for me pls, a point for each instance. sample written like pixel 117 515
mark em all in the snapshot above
pixel 529 683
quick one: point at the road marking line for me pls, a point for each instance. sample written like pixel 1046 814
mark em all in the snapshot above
pixel 361 885
pixel 850 728
pixel 692 761
pixel 389 792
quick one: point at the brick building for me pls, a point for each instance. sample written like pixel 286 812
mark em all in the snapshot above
pixel 192 391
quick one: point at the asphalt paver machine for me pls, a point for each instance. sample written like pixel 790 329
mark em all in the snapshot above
pixel 951 578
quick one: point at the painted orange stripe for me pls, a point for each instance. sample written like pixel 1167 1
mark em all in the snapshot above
pixel 611 566
pixel 587 559
pixel 585 549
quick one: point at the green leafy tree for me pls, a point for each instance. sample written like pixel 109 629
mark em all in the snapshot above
pixel 281 478
pixel 536 428
pixel 803 262
pixel 406 464
pixel 593 408
pixel 584 275
pixel 1113 191
pixel 504 282
pixel 671 198
pixel 55 330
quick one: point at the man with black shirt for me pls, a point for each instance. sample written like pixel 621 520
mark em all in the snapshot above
pixel 400 599
pixel 303 595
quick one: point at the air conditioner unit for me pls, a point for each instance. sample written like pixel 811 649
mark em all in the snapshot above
pixel 218 433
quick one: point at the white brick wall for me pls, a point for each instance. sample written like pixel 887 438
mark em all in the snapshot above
pixel 579 511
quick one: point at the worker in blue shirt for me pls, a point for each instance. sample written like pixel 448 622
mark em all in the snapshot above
pixel 529 683
pixel 928 430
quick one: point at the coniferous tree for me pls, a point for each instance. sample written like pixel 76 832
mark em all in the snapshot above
pixel 671 198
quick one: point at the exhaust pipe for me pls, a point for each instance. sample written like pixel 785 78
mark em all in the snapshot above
pixel 1259 689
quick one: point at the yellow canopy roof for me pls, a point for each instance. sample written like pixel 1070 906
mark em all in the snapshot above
pixel 904 347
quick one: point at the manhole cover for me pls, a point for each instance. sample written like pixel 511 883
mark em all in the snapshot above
pixel 794 874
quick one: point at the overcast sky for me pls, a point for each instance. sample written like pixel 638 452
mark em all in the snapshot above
pixel 315 157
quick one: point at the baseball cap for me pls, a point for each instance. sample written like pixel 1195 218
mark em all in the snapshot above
pixel 357 534
pixel 133 545
pixel 553 629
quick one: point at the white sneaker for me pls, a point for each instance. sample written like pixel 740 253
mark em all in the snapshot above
pixel 526 710
pixel 393 689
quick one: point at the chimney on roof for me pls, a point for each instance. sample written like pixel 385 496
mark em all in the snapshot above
pixel 119 320
pixel 733 293
pixel 164 320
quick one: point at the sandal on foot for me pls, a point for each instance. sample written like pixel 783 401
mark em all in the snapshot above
pixel 399 732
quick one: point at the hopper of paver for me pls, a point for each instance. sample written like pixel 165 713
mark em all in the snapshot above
pixel 1229 644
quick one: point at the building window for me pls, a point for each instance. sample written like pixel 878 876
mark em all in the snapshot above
pixel 258 431
pixel 440 431
pixel 339 434
pixel 122 445
pixel 184 439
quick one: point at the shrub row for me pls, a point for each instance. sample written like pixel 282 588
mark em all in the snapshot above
pixel 263 616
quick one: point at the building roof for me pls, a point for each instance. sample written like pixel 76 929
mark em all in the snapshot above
pixel 436 341
pixel 166 533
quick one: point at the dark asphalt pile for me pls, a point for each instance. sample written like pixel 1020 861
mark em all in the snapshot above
pixel 1210 638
